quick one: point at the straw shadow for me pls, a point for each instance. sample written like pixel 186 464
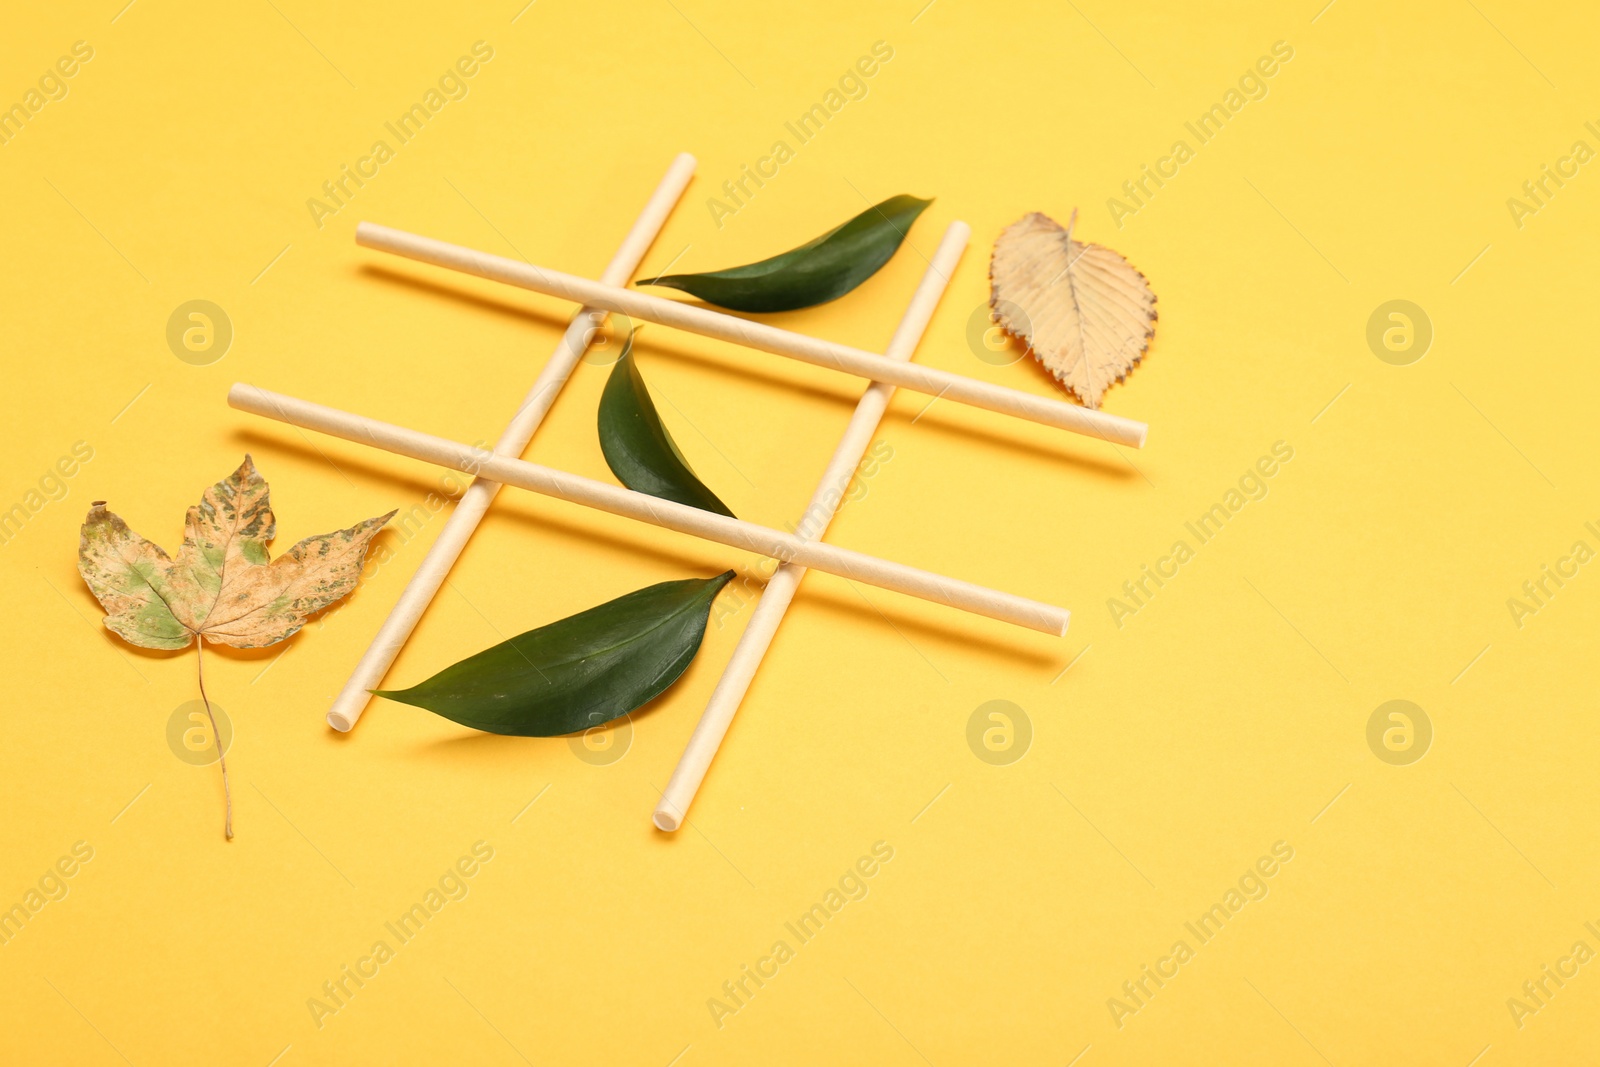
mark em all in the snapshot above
pixel 844 395
pixel 519 512
pixel 284 442
pixel 461 295
pixel 648 340
pixel 633 547
pixel 753 579
pixel 931 419
pixel 1073 455
pixel 510 510
pixel 962 639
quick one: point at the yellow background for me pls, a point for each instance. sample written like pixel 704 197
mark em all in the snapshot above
pixel 1228 714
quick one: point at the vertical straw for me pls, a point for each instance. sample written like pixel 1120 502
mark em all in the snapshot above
pixel 769 611
pixel 469 511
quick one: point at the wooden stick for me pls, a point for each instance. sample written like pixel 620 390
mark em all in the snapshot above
pixel 936 383
pixel 664 513
pixel 780 589
pixel 474 503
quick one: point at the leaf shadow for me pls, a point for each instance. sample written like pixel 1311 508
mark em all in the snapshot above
pixel 252 655
pixel 477 740
pixel 120 645
pixel 84 602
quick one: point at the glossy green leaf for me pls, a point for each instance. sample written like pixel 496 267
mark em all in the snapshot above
pixel 580 672
pixel 816 272
pixel 637 447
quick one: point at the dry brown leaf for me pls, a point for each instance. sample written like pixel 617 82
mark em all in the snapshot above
pixel 221 587
pixel 1082 309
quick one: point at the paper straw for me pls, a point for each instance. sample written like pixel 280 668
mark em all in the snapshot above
pixel 474 502
pixel 668 514
pixel 774 601
pixel 685 316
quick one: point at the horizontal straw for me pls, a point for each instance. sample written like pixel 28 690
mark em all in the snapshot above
pixel 474 503
pixel 685 316
pixel 668 514
pixel 673 806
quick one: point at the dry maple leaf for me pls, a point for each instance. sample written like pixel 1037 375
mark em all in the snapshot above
pixel 1082 309
pixel 221 587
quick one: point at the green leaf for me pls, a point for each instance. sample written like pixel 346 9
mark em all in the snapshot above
pixel 638 448
pixel 579 672
pixel 816 272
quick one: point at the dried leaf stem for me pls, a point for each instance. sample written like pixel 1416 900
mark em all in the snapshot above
pixel 222 759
